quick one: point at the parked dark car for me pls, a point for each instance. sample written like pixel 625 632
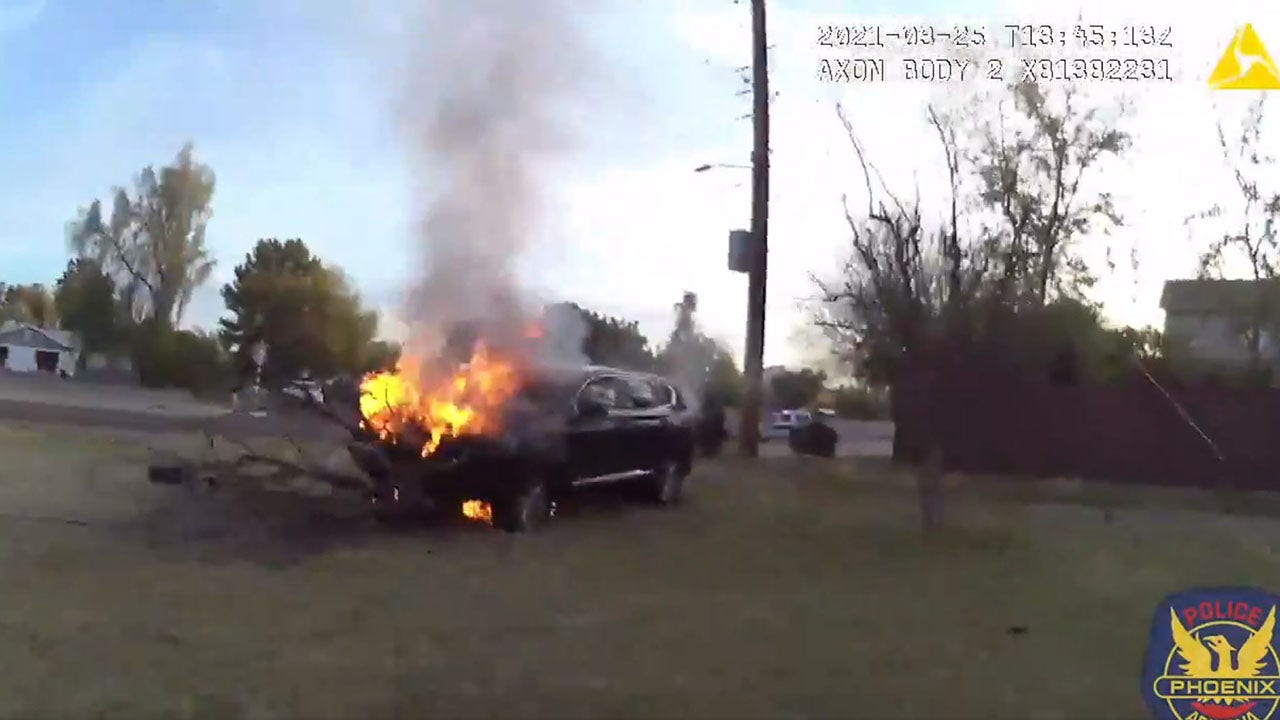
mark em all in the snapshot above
pixel 567 427
pixel 815 437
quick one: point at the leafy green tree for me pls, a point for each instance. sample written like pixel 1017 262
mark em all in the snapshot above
pixel 153 243
pixel 305 313
pixel 796 388
pixel 724 380
pixel 29 304
pixel 860 403
pixel 602 339
pixel 381 355
pixel 696 361
pixel 192 360
pixel 85 298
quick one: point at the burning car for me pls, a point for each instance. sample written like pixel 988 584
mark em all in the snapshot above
pixel 504 441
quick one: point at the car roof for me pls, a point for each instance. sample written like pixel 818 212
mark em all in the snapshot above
pixel 575 375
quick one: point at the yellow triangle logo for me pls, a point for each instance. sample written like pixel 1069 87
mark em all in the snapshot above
pixel 1245 65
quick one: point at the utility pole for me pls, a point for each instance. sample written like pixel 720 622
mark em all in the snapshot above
pixel 753 363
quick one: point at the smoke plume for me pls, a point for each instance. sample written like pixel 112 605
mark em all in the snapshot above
pixel 489 113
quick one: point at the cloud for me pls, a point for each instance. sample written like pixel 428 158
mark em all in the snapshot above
pixel 19 15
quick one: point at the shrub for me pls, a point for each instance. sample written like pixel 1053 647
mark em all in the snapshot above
pixel 855 403
pixel 195 361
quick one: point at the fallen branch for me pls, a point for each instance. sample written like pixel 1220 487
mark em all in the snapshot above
pixel 211 469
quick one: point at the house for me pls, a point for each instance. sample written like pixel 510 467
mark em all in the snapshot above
pixel 1209 321
pixel 28 348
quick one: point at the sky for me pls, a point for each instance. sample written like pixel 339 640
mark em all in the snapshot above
pixel 294 105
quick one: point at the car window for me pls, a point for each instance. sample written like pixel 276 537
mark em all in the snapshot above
pixel 612 392
pixel 545 395
pixel 663 394
pixel 677 398
pixel 642 392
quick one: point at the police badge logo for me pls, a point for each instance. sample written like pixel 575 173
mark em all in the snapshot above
pixel 1212 656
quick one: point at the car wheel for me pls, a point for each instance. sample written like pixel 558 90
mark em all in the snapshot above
pixel 668 485
pixel 524 510
pixel 394 506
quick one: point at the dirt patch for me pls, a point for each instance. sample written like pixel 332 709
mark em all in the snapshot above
pixel 97 480
pixel 273 528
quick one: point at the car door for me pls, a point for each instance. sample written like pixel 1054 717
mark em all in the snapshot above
pixel 596 446
pixel 649 421
pixel 680 423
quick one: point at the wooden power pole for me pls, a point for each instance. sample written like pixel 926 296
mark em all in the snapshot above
pixel 753 364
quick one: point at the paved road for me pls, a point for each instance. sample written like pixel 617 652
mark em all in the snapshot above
pixel 51 400
pixel 48 399
pixel 858 438
pixel 236 425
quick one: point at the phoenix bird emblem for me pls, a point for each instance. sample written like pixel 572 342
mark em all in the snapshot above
pixel 1213 656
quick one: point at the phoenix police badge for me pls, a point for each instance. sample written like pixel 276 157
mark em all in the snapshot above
pixel 1212 656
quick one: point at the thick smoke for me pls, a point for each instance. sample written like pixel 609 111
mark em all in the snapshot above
pixel 489 113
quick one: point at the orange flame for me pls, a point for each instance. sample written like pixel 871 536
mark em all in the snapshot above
pixel 470 401
pixel 478 510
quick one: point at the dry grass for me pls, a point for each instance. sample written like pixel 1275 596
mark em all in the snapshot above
pixel 789 589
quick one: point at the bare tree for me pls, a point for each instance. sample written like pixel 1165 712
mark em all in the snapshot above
pixel 153 243
pixel 1250 240
pixel 900 276
pixel 1032 159
pixel 1007 239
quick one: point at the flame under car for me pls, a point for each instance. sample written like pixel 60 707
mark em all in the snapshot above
pixel 560 429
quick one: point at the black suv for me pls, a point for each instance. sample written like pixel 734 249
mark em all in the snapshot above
pixel 567 427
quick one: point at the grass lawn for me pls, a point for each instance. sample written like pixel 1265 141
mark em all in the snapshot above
pixel 790 588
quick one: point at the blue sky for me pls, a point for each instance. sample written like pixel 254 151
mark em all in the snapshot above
pixel 293 104
pixel 290 102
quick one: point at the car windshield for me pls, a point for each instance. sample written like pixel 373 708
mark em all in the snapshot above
pixel 544 394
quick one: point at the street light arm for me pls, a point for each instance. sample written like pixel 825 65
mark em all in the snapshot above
pixel 712 166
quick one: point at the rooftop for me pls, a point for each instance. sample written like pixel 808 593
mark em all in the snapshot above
pixel 26 334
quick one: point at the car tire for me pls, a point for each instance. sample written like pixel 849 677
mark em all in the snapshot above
pixel 389 508
pixel 524 510
pixel 668 485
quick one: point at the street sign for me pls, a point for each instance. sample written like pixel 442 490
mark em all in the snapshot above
pixel 740 250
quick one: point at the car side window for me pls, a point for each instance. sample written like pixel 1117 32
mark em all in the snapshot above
pixel 677 398
pixel 663 394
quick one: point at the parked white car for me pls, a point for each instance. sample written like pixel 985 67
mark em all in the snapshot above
pixel 782 422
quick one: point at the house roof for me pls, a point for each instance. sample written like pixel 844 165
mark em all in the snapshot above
pixel 26 335
pixel 1201 296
